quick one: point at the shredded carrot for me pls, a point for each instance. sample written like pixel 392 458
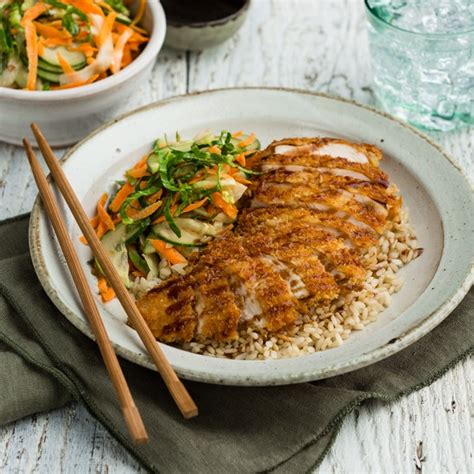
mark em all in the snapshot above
pixel 196 179
pixel 76 84
pixel 138 172
pixel 105 291
pixel 120 197
pixel 144 213
pixel 95 221
pixel 240 159
pixel 214 149
pixel 105 5
pixel 142 162
pixel 170 253
pixel 34 12
pixel 135 204
pixel 106 29
pixel 103 215
pixel 154 197
pixel 127 56
pixel 163 218
pixel 83 240
pixel 119 50
pixel 65 66
pixel 32 53
pixel 40 47
pixel 140 12
pixel 250 139
pixel 138 38
pixel 87 49
pixel 228 208
pixel 101 230
pixel 102 200
pixel 174 200
pixel 87 6
pixel 47 31
pixel 53 42
pixel 237 134
pixel 140 30
pixel 195 205
pixel 159 220
pixel 240 179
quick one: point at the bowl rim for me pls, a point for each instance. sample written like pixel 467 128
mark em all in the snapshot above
pixel 148 54
pixel 220 21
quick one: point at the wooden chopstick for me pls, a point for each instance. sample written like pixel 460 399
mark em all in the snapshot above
pixel 130 412
pixel 178 391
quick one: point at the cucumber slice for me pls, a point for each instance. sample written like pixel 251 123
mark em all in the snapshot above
pixel 153 264
pixel 121 18
pixel 153 163
pixel 204 138
pixel 56 69
pixel 192 232
pixel 135 230
pixel 182 146
pixel 254 146
pixel 138 261
pixel 114 242
pixel 74 58
pixel 49 76
pixel 49 67
pixel 148 248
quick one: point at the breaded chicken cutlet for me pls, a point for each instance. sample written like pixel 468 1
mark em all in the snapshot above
pixel 316 207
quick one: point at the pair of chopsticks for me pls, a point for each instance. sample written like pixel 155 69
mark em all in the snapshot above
pixel 130 412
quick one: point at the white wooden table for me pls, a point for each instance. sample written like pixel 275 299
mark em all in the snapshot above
pixel 319 46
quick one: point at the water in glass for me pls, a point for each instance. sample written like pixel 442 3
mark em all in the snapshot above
pixel 423 60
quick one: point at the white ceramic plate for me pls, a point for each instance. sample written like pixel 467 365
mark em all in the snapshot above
pixel 438 196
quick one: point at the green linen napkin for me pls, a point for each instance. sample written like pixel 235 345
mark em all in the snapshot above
pixel 45 362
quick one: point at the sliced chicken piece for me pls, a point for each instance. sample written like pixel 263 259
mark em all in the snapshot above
pixel 326 164
pixel 264 285
pixel 359 207
pixel 297 242
pixel 216 307
pixel 321 180
pixel 360 236
pixel 263 296
pixel 301 260
pixel 332 147
pixel 169 310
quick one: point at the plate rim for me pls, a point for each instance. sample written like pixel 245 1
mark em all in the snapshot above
pixel 363 360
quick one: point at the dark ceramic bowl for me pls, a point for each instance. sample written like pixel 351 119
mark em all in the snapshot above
pixel 185 33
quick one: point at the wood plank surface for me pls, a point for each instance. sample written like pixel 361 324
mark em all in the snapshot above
pixel 314 45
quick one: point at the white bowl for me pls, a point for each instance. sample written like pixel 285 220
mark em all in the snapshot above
pixel 66 116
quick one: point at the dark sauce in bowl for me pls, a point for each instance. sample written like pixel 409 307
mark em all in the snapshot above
pixel 190 12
